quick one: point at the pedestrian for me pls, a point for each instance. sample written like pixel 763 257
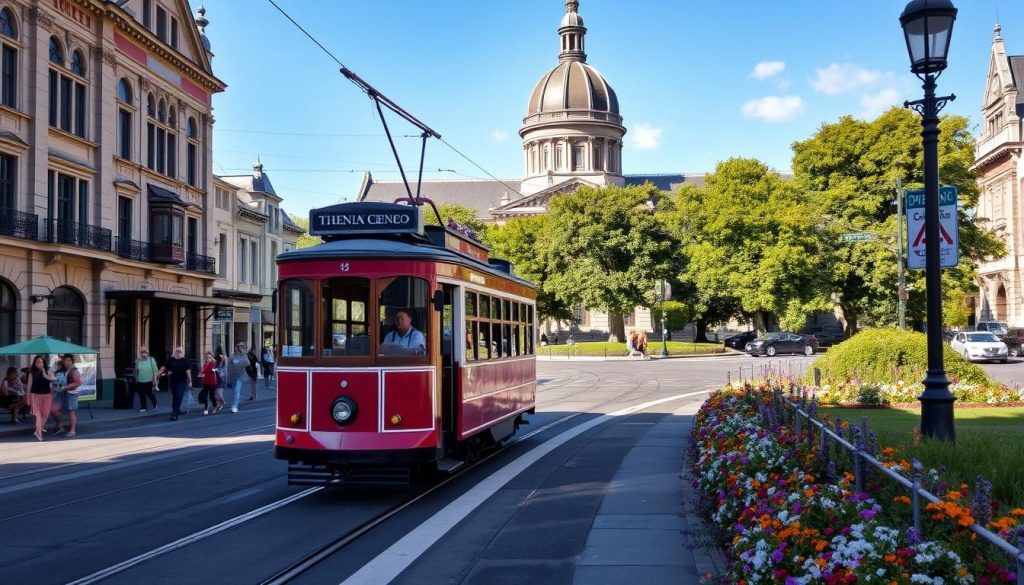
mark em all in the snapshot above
pixel 60 379
pixel 208 396
pixel 222 361
pixel 40 395
pixel 145 378
pixel 631 344
pixel 69 379
pixel 12 394
pixel 180 372
pixel 268 363
pixel 641 344
pixel 252 373
pixel 236 375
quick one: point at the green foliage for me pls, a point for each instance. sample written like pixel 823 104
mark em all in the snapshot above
pixel 751 244
pixel 677 315
pixel 518 242
pixel 464 216
pixel 887 356
pixel 850 169
pixel 305 240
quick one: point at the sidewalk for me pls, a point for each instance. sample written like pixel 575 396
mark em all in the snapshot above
pixel 104 413
pixel 647 530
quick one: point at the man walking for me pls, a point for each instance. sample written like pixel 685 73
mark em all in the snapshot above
pixel 181 378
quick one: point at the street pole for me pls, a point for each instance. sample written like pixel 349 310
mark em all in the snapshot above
pixel 936 400
pixel 664 345
pixel 901 289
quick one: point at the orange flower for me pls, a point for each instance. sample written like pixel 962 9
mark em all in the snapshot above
pixel 902 499
pixel 888 451
pixel 1017 512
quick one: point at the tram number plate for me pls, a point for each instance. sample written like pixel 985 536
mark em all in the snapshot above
pixel 344 267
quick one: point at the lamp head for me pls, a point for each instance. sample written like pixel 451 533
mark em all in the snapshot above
pixel 927 27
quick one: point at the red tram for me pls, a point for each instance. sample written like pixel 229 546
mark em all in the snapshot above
pixel 401 347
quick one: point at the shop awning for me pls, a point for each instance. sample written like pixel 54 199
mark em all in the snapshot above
pixel 157 295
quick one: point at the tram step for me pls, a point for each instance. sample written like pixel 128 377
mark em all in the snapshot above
pixel 362 477
pixel 449 465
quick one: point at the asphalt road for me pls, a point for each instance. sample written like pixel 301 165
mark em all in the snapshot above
pixel 203 500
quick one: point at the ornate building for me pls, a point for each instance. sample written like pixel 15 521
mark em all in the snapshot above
pixel 1000 170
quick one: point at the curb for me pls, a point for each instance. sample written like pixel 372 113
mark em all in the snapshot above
pixel 588 358
pixel 27 428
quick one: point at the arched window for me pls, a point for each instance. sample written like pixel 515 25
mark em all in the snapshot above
pixel 64 315
pixel 171 117
pixel 67 94
pixel 8 59
pixel 124 119
pixel 192 152
pixel 77 63
pixel 56 52
pixel 8 309
pixel 162 148
pixel 150 106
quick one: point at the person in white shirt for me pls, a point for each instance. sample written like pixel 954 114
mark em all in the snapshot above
pixel 405 339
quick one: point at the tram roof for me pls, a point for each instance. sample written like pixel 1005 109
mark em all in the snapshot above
pixel 391 248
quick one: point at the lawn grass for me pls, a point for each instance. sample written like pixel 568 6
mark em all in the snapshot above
pixel 618 349
pixel 989 442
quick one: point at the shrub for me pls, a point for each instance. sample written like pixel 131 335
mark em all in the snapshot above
pixel 890 356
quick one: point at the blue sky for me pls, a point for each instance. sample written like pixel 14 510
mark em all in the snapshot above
pixel 697 82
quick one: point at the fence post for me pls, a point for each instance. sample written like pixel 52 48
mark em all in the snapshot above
pixel 916 496
pixel 728 378
pixel 858 470
pixel 1020 554
pixel 799 425
pixel 817 378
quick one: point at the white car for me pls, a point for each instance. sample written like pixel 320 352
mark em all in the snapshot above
pixel 978 346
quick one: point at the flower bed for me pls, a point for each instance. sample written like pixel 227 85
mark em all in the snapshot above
pixel 900 392
pixel 785 507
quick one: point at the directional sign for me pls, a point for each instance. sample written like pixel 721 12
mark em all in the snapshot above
pixel 857 237
pixel 949 228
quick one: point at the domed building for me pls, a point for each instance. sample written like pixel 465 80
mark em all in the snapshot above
pixel 572 136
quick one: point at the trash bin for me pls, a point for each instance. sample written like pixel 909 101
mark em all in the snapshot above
pixel 123 393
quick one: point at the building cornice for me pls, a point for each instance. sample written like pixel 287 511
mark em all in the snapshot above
pixel 251 215
pixel 1004 150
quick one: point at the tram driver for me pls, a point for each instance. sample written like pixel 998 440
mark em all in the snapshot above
pixel 404 339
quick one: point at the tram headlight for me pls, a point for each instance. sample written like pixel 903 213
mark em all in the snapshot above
pixel 343 410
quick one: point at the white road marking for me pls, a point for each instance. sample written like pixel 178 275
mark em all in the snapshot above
pixel 390 563
pixel 187 540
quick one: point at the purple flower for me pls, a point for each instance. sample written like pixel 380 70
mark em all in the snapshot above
pixel 792 581
pixel 777 555
pixel 870 513
pixel 797 507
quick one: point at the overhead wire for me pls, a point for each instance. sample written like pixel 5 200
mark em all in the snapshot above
pixel 380 98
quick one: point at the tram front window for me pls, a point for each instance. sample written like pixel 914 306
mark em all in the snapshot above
pixel 346 318
pixel 296 316
pixel 403 317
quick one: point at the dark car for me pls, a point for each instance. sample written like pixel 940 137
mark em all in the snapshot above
pixel 739 341
pixel 1014 339
pixel 771 344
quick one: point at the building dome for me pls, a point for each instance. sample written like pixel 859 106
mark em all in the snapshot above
pixel 572 85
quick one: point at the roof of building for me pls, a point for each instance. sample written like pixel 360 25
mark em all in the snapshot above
pixel 667 182
pixel 257 182
pixel 1017 70
pixel 479 195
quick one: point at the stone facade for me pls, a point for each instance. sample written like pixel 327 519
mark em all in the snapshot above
pixel 105 157
pixel 1000 171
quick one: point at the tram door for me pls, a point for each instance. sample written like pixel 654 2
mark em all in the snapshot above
pixel 449 396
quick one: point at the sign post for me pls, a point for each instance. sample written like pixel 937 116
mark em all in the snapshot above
pixel 949 228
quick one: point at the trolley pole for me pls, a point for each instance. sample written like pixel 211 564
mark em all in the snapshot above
pixel 901 302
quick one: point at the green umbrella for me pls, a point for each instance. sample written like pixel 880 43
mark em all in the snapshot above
pixel 45 345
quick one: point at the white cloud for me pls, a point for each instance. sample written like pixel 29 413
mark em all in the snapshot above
pixel 766 69
pixel 774 108
pixel 836 79
pixel 645 137
pixel 499 135
pixel 876 103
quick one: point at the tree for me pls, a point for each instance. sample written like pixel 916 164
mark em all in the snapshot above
pixel 750 241
pixel 605 248
pixel 517 242
pixel 305 240
pixel 462 215
pixel 849 169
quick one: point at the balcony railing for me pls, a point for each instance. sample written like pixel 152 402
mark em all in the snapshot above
pixel 132 249
pixel 200 263
pixel 77 234
pixel 19 224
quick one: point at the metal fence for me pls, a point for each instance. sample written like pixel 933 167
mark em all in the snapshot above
pixel 860 456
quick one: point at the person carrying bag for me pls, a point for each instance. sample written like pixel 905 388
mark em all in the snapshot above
pixel 145 378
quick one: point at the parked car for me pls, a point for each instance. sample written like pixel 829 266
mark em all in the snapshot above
pixel 979 346
pixel 996 327
pixel 740 340
pixel 1014 340
pixel 827 338
pixel 771 344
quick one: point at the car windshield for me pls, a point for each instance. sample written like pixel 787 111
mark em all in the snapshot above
pixel 982 337
pixel 997 328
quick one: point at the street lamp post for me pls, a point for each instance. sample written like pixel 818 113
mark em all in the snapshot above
pixel 927 26
pixel 664 344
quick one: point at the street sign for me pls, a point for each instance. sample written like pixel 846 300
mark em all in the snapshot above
pixel 949 228
pixel 662 291
pixel 857 237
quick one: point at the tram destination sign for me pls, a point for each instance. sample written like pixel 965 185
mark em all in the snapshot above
pixel 365 218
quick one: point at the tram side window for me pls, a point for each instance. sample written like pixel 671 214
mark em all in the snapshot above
pixel 471 327
pixel 530 339
pixel 297 318
pixel 403 316
pixel 345 314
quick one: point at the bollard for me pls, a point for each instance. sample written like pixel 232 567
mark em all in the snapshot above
pixel 916 498
pixel 817 377
pixel 728 378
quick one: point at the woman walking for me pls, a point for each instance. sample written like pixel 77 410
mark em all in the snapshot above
pixel 208 396
pixel 69 380
pixel 145 378
pixel 222 362
pixel 40 396
pixel 236 375
pixel 251 371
